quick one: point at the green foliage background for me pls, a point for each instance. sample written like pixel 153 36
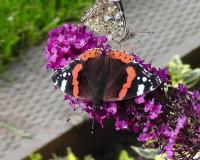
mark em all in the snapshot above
pixel 123 155
pixel 24 23
pixel 183 73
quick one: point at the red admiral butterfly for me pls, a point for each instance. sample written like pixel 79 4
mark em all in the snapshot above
pixel 105 77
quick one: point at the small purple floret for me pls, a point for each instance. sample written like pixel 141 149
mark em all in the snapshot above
pixel 121 124
pixel 140 99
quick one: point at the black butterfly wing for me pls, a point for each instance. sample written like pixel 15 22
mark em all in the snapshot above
pixel 63 78
pixel 105 78
pixel 143 82
pixel 114 80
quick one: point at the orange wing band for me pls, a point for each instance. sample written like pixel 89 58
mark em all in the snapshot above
pixel 91 53
pixel 131 74
pixel 119 55
pixel 75 82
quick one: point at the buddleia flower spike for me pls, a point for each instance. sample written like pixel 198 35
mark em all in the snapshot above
pixel 135 95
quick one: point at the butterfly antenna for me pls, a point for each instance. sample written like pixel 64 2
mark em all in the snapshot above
pixel 133 35
pixel 149 32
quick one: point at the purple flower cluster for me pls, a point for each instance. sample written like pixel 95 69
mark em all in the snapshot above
pixel 69 41
pixel 167 118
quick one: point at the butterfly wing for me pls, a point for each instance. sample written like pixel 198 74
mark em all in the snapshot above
pixel 77 78
pixel 111 77
pixel 107 19
pixel 143 82
pixel 115 80
pixel 68 80
pixel 129 80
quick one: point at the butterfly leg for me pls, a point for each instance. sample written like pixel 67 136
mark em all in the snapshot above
pixel 118 44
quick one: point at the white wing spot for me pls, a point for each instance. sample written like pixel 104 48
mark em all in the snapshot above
pixel 144 79
pixel 107 18
pixel 69 74
pixel 63 85
pixel 119 15
pixel 64 74
pixel 151 88
pixel 140 89
pixel 138 78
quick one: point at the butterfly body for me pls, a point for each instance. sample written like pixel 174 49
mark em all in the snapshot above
pixel 98 77
pixel 107 19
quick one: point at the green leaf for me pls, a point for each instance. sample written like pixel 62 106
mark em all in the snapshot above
pixel 88 157
pixel 160 157
pixel 183 73
pixel 70 155
pixel 55 157
pixel 197 156
pixel 145 153
pixel 35 156
pixel 25 23
pixel 124 156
